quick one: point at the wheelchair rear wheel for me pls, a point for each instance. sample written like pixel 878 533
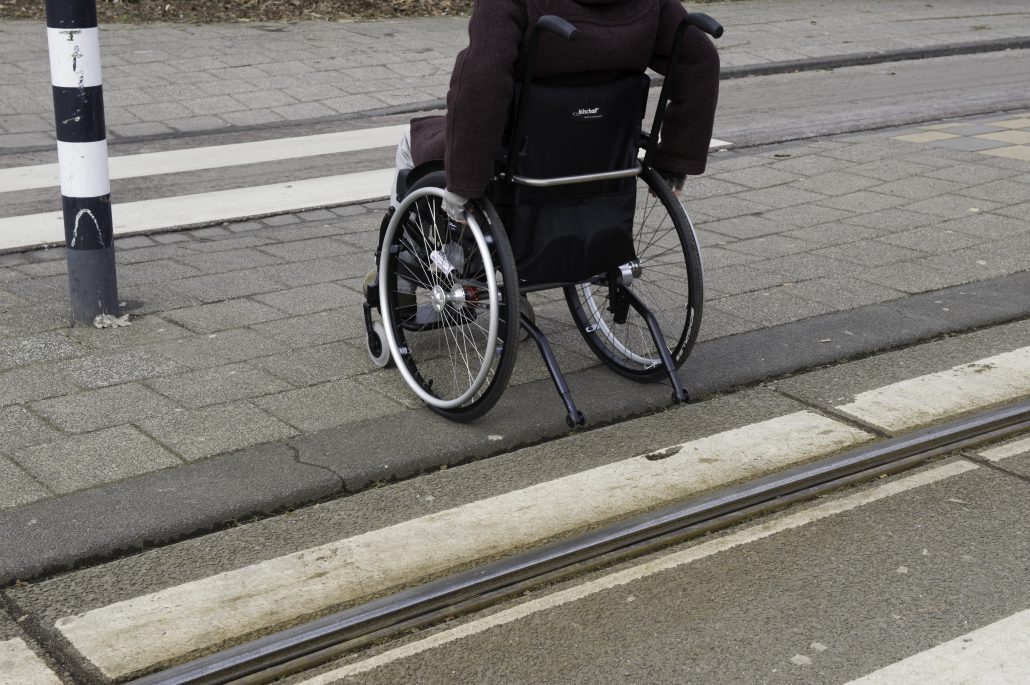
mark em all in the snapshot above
pixel 666 277
pixel 449 302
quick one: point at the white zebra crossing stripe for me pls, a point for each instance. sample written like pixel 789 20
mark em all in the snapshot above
pixel 213 157
pixel 19 665
pixel 937 396
pixel 125 637
pixel 224 205
pixel 997 654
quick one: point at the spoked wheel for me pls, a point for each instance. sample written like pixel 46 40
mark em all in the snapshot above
pixel 666 277
pixel 449 302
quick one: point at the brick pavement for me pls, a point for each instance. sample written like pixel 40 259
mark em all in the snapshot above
pixel 180 78
pixel 251 333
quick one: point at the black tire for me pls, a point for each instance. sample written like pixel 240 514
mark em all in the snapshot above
pixel 669 283
pixel 441 322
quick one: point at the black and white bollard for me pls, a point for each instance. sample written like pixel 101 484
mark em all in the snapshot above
pixel 74 43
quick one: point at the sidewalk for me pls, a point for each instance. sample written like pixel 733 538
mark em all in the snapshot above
pixel 181 78
pixel 243 385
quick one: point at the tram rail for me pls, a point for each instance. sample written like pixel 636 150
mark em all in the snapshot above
pixel 312 644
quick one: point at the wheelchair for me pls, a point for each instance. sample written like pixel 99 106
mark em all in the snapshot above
pixel 575 204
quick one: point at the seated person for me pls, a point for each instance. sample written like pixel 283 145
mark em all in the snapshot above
pixel 615 36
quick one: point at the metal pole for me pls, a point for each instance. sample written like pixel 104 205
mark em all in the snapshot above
pixel 74 44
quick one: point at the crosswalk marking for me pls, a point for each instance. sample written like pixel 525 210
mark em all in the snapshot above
pixel 212 157
pixel 144 216
pixel 997 654
pixel 649 568
pixel 19 665
pixel 224 205
pixel 922 400
pixel 125 637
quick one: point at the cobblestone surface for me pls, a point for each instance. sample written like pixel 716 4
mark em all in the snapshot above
pixel 250 333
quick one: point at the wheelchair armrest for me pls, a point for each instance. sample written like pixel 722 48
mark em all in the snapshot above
pixel 705 23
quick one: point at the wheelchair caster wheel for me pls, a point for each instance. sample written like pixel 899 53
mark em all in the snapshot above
pixel 575 420
pixel 378 351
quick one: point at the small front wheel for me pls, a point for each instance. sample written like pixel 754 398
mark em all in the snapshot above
pixel 378 351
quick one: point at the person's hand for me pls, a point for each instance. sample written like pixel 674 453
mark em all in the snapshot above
pixel 673 180
pixel 454 206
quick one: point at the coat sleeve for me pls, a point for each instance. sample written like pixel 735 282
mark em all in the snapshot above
pixel 480 93
pixel 690 116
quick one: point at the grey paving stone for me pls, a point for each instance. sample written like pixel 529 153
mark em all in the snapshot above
pixel 870 253
pixel 318 271
pixel 918 187
pixel 893 220
pixel 84 461
pixel 19 427
pixel 225 286
pixel 160 271
pixel 211 233
pixel 316 215
pixel 844 292
pixel 727 207
pixel 1016 211
pixel 781 196
pixel 757 177
pixel 771 246
pixel 951 206
pixel 1006 192
pixel 319 364
pixel 745 227
pixel 138 130
pixel 719 257
pixel 169 238
pixel 222 316
pixel 863 202
pixel 971 173
pixel 773 306
pixel 218 385
pixel 717 323
pixel 321 328
pixel 228 260
pixel 281 220
pixel 349 210
pixel 697 187
pixel 133 242
pixel 196 124
pixel 810 165
pixel 251 117
pixel 112 406
pixel 934 239
pixel 36 348
pixel 734 280
pixel 301 231
pixel 17 487
pixel 312 298
pixel 152 253
pixel 987 226
pixel 909 278
pixel 835 183
pixel 833 233
pixel 227 244
pixel 805 266
pixel 144 330
pixel 318 248
pixel 33 319
pixel 970 144
pixel 36 269
pixel 219 104
pixel 976 263
pixel 330 404
pixel 102 370
pixel 218 349
pixel 215 430
pixel 244 226
pixel 34 383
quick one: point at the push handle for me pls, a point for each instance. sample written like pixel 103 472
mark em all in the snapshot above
pixel 558 25
pixel 705 23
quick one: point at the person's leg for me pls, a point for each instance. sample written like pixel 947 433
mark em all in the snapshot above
pixel 403 162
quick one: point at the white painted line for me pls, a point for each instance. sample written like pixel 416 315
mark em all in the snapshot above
pixel 84 169
pixel 128 636
pixel 998 654
pixel 212 157
pixel 937 396
pixel 221 156
pixel 74 57
pixel 19 665
pixel 1006 450
pixel 223 205
pixel 650 568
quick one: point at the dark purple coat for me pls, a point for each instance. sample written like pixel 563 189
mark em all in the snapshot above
pixel 615 35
